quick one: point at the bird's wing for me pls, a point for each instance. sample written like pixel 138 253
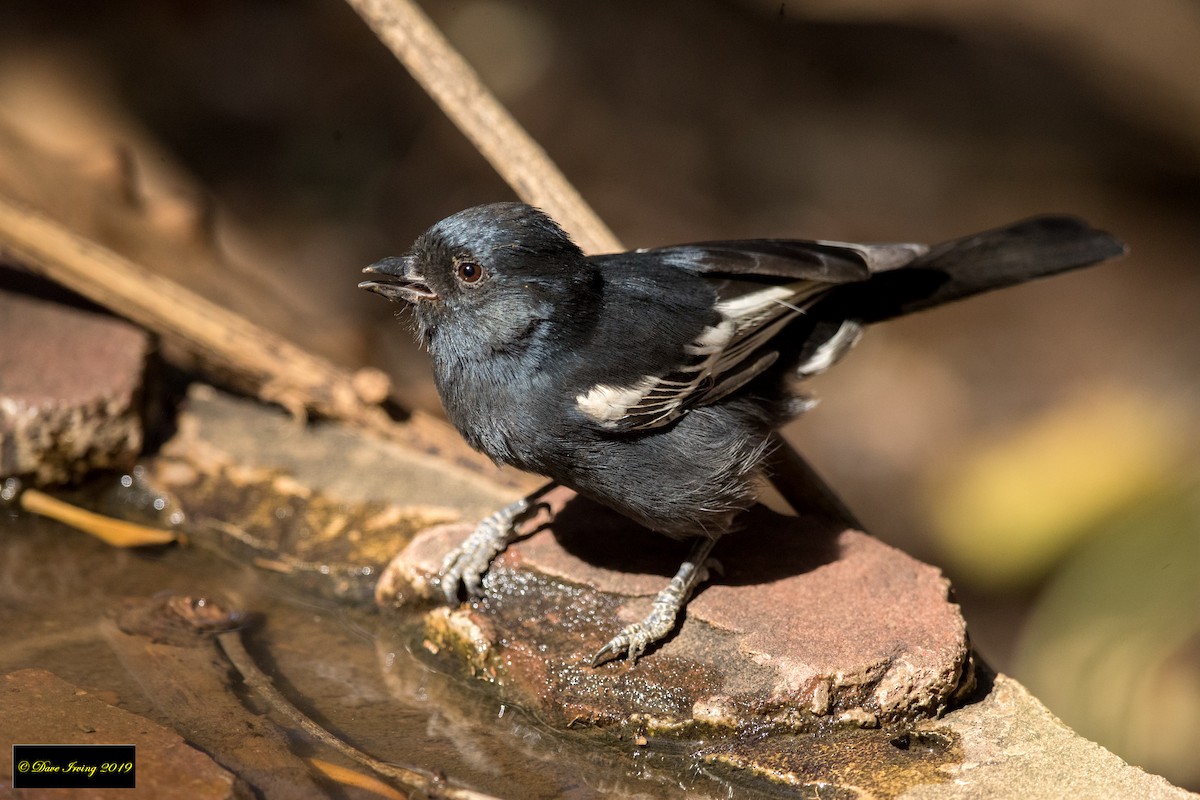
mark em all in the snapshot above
pixel 762 285
pixel 790 259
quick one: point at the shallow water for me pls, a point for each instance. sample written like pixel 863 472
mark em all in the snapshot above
pixel 361 675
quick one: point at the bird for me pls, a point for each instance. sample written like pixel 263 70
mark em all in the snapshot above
pixel 652 381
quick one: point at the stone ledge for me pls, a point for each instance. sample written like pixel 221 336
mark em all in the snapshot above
pixel 809 623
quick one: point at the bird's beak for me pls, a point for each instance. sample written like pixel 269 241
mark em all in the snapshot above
pixel 397 278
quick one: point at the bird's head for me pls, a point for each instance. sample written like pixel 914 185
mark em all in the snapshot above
pixel 487 276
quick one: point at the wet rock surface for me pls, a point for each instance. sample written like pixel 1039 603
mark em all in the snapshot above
pixel 41 707
pixel 70 389
pixel 807 624
pixel 168 643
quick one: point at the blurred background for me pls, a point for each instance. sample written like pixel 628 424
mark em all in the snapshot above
pixel 1040 445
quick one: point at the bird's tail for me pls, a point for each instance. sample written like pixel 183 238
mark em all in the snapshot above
pixel 1017 253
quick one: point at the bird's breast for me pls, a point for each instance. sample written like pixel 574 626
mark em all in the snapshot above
pixel 498 405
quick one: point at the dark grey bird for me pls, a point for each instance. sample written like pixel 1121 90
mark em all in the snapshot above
pixel 652 381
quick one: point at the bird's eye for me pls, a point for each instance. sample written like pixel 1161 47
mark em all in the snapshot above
pixel 469 272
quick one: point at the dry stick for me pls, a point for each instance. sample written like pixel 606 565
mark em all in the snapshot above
pixel 451 82
pixel 273 367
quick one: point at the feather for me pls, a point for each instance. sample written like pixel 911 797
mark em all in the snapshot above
pixel 723 358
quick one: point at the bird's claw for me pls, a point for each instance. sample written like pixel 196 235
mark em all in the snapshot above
pixel 467 564
pixel 634 639
pixel 632 642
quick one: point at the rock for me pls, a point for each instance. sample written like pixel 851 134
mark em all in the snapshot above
pixel 809 623
pixel 1012 746
pixel 1001 744
pixel 323 503
pixel 40 707
pixel 70 390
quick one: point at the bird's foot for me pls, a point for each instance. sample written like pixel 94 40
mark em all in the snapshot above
pixel 466 564
pixel 635 638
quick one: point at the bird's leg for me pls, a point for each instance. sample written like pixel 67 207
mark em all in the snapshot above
pixel 468 563
pixel 666 607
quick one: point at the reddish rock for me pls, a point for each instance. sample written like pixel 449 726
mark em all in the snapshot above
pixel 70 388
pixel 808 621
pixel 40 707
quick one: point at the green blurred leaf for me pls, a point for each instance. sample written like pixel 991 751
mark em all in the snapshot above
pixel 1004 514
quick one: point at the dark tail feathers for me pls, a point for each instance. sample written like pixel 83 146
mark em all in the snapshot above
pixel 1023 251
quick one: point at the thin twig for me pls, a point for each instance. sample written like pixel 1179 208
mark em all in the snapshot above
pixel 255 358
pixel 451 82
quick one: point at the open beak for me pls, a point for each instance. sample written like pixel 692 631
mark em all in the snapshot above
pixel 396 278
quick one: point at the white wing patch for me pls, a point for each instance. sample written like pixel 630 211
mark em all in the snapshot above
pixel 716 362
pixel 608 405
pixel 832 349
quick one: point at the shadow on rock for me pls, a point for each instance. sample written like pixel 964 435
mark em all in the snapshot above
pixel 764 547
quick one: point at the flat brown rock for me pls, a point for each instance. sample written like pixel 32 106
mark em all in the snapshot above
pixel 809 621
pixel 40 707
pixel 70 386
